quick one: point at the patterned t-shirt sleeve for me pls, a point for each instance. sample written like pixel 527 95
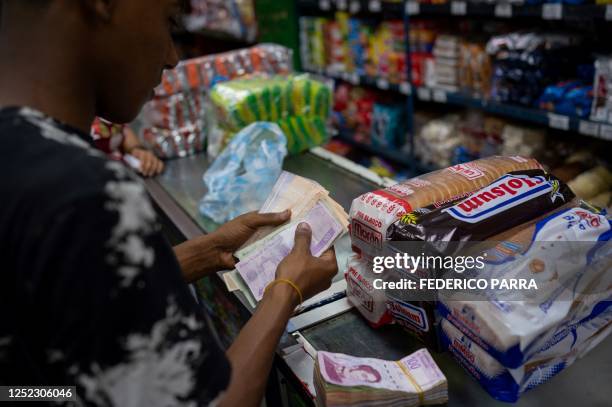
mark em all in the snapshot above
pixel 126 330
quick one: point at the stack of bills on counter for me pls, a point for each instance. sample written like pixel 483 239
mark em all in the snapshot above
pixel 342 380
pixel 309 202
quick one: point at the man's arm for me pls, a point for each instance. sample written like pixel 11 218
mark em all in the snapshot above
pixel 198 257
pixel 252 353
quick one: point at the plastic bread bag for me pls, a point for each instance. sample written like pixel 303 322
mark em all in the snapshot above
pixel 370 302
pixel 508 384
pixel 243 175
pixel 513 199
pixel 299 104
pixel 569 256
pixel 372 213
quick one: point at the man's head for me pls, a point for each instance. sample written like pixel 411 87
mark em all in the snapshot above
pixel 121 46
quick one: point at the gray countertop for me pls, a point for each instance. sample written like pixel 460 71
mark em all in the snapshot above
pixel 586 383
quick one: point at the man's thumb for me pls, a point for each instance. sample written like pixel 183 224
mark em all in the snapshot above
pixel 303 235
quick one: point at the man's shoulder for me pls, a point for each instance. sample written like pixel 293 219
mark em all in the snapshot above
pixel 48 164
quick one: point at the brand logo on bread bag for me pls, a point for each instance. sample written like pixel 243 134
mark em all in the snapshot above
pixel 357 291
pixel 464 349
pixel 366 234
pixel 469 171
pixel 409 313
pixel 503 194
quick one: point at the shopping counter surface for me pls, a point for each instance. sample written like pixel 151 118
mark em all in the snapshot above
pixel 335 327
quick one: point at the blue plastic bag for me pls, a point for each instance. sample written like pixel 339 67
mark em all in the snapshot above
pixel 243 175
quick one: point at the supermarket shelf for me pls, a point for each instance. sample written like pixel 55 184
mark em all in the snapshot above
pixel 370 7
pixel 551 120
pixel 393 155
pixel 551 11
pixel 355 79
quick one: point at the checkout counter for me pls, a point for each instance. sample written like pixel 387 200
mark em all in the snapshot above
pixel 334 326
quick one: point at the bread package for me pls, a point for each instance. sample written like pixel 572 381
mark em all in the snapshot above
pixel 370 302
pixel 569 256
pixel 372 213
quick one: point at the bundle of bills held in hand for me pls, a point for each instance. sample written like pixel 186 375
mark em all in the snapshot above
pixel 309 202
pixel 342 380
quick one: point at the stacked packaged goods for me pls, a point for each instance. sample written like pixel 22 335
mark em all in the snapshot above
pixel 175 121
pixel 512 341
pixel 373 215
pixel 299 104
pixel 347 45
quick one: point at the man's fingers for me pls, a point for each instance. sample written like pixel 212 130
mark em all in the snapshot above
pixel 257 220
pixel 303 236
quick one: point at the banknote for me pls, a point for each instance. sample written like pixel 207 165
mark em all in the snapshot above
pixel 258 263
pixel 348 380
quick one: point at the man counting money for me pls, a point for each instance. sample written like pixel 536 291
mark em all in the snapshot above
pixel 91 295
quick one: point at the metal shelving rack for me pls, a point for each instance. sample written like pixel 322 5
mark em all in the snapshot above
pixel 410 8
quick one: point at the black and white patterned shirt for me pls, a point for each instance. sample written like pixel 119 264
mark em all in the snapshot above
pixel 91 294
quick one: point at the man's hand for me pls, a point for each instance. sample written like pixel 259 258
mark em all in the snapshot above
pixel 150 165
pixel 311 274
pixel 229 237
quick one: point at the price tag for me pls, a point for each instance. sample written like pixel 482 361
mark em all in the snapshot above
pixel 405 88
pixel 503 10
pixel 588 128
pixel 341 5
pixel 355 7
pixel 382 83
pixel 424 94
pixel 552 11
pixel 609 13
pixel 458 8
pixel 439 96
pixel 374 6
pixel 412 8
pixel 558 121
pixel 354 78
pixel 324 5
pixel 606 132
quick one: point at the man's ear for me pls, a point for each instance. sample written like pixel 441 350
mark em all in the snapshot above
pixel 100 9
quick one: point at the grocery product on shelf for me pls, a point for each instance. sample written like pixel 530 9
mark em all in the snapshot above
pixel 521 140
pixel 343 380
pixel 446 62
pixel 233 17
pixel 514 340
pixel 437 140
pixel 524 63
pixel 474 69
pixel 299 104
pixel 372 213
pixel 602 90
pixel 347 44
pixel 572 98
pixel 591 183
pixel 369 117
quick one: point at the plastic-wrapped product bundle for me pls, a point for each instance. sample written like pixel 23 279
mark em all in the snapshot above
pixel 602 90
pixel 513 340
pixel 572 98
pixel 437 140
pixel 174 123
pixel 204 72
pixel 591 183
pixel 370 302
pixel 372 213
pixel 447 55
pixel 299 104
pixel 525 141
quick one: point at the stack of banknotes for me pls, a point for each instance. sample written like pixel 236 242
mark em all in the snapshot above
pixel 342 380
pixel 309 202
